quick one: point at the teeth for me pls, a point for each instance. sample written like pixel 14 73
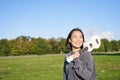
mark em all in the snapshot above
pixel 77 43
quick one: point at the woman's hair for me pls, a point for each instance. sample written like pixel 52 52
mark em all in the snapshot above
pixel 68 44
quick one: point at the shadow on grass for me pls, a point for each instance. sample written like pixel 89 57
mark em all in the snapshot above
pixel 2 73
pixel 107 53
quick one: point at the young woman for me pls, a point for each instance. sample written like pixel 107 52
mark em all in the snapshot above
pixel 81 67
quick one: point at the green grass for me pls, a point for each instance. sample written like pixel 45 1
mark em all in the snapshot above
pixel 51 67
pixel 107 67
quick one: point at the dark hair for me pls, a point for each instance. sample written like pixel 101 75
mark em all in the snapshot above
pixel 68 44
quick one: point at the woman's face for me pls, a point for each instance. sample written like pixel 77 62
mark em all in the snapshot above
pixel 76 39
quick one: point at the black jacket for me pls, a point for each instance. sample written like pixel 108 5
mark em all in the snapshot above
pixel 81 68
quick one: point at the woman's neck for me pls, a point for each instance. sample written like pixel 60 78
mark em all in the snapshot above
pixel 75 50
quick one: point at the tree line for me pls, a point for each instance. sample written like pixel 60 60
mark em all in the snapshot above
pixel 25 45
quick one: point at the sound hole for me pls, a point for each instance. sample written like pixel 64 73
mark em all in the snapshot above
pixel 97 41
pixel 91 45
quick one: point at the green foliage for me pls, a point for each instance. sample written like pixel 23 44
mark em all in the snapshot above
pixel 43 46
pixel 54 44
pixel 109 46
pixel 119 44
pixel 116 45
pixel 61 45
pixel 106 43
pixel 4 47
pixel 101 49
pixel 25 45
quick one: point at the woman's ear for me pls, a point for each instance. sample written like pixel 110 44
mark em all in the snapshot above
pixel 69 41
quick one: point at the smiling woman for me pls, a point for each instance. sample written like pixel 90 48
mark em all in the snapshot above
pixel 82 66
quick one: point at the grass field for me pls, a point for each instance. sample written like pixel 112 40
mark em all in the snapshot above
pixel 50 67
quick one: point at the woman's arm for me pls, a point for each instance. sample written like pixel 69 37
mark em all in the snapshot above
pixel 84 66
pixel 64 69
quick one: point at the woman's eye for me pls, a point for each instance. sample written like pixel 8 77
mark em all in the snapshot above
pixel 74 37
pixel 80 36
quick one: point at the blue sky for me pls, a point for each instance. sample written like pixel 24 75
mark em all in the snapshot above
pixel 55 18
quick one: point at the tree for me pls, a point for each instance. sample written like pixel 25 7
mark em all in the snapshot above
pixel 101 48
pixel 119 44
pixel 61 45
pixel 54 45
pixel 4 47
pixel 107 45
pixel 25 45
pixel 19 45
pixel 115 45
pixel 43 46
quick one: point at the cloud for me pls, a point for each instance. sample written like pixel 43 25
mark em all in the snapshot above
pixel 107 35
pixel 103 35
pixel 90 32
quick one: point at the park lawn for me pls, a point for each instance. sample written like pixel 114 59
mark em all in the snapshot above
pixel 50 67
pixel 107 67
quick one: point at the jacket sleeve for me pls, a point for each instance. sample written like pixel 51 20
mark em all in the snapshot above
pixel 84 66
pixel 64 74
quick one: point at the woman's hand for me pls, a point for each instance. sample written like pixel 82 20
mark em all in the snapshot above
pixel 76 55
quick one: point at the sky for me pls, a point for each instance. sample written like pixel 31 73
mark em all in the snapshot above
pixel 56 18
